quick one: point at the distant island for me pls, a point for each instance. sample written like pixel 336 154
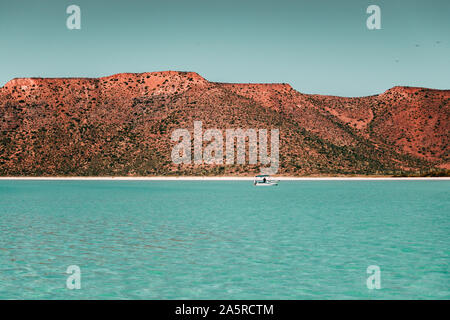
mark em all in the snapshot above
pixel 121 125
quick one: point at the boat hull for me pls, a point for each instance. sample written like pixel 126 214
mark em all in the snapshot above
pixel 267 184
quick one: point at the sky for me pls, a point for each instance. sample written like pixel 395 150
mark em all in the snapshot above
pixel 321 47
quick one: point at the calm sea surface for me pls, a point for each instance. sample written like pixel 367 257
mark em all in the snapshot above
pixel 223 240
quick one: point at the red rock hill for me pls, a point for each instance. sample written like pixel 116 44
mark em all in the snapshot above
pixel 121 125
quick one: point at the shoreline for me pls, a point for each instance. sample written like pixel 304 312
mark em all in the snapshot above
pixel 193 178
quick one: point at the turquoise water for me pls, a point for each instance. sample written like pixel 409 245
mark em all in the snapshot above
pixel 224 240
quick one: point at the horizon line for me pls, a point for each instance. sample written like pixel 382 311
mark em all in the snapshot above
pixel 217 82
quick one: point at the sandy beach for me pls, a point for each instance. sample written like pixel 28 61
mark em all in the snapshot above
pixel 284 178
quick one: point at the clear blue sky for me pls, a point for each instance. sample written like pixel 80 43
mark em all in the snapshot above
pixel 316 46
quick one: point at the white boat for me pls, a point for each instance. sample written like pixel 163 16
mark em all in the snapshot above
pixel 264 180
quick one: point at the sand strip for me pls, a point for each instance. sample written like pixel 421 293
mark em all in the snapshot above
pixel 225 178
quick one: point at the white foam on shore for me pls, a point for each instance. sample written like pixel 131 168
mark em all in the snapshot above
pixel 224 178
